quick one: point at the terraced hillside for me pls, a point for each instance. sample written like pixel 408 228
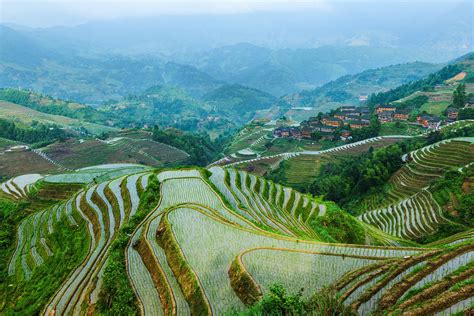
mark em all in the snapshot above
pixel 299 168
pixel 127 147
pixel 197 254
pixel 77 154
pixel 408 208
pixel 438 282
pixel 216 241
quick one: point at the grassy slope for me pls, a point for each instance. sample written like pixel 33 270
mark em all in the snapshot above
pixel 26 115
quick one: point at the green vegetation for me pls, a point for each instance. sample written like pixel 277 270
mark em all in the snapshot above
pixel 49 105
pixel 219 111
pixel 459 96
pixel 29 295
pixel 240 103
pixel 435 108
pixel 255 222
pixel 278 302
pixel 400 128
pixel 347 89
pixel 466 114
pixel 453 191
pixel 37 133
pixel 413 103
pixel 116 295
pixel 372 130
pixel 405 90
pixel 338 226
pixel 200 147
pixel 346 180
pixel 298 171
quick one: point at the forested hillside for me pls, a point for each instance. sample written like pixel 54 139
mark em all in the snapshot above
pixel 348 89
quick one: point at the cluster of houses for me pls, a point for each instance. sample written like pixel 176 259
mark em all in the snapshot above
pixel 358 117
pixel 327 125
pixel 389 113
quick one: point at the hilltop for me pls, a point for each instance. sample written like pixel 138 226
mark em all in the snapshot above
pixel 219 111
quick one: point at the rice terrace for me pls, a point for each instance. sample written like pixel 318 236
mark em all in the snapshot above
pixel 236 158
pixel 207 241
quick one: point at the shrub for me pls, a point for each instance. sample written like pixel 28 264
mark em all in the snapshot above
pixel 338 226
pixel 278 302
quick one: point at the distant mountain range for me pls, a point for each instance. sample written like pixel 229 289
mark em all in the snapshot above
pixel 215 106
pixel 284 71
pixel 30 63
pixel 212 90
pixel 435 32
pixel 98 61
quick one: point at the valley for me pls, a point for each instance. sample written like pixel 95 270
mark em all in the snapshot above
pixel 269 158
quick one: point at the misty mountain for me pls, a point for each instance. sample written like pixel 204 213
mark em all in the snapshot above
pixel 278 52
pixel 435 32
pixel 29 63
pixel 22 50
pixel 239 102
pixel 228 106
pixel 283 71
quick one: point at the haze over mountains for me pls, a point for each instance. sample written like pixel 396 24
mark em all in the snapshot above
pixel 278 52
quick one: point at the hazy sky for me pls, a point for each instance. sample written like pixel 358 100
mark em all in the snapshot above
pixel 68 12
pixel 43 13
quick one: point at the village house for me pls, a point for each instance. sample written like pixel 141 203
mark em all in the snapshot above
pixel 356 124
pixel 401 115
pixel 386 116
pixel 364 110
pixel 452 113
pixel 434 122
pixel 295 132
pixel 324 128
pixel 341 116
pixel 363 98
pixel 353 115
pixel 428 121
pixel 332 121
pixel 281 131
pixel 313 121
pixel 384 108
pixel 327 129
pixel 306 132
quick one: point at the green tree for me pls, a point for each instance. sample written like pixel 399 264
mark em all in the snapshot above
pixel 316 135
pixel 466 114
pixel 277 302
pixel 459 96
